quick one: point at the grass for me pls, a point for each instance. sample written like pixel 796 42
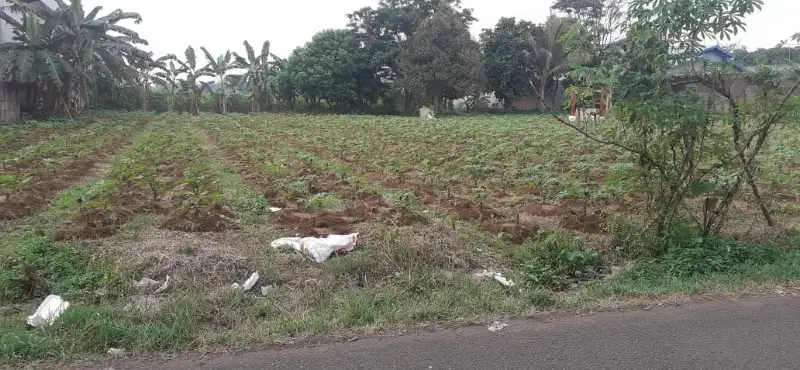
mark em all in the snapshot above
pixel 400 274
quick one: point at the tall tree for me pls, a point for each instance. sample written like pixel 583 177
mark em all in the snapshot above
pixel 334 68
pixel 219 67
pixel 82 42
pixel 441 61
pixel 258 71
pixel 167 75
pixel 192 84
pixel 385 29
pixel 509 55
pixel 550 59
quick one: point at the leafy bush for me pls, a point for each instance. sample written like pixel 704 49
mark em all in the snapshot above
pixel 559 261
pixel 41 267
pixel 706 256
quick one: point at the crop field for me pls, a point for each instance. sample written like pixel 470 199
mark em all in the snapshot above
pixel 88 209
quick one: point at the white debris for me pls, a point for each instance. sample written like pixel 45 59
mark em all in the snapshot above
pixel 267 289
pixel 426 113
pixel 47 313
pixel 495 326
pixel 274 209
pixel 318 249
pixel 163 287
pixel 248 284
pixel 496 276
pixel 145 283
pixel 116 351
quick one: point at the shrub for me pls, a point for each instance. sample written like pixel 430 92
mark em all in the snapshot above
pixel 559 261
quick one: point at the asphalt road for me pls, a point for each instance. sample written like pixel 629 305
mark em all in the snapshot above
pixel 746 334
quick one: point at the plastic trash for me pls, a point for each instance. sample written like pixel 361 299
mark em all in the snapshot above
pixel 163 287
pixel 47 313
pixel 496 326
pixel 248 284
pixel 496 276
pixel 318 249
pixel 116 351
pixel 145 283
pixel 274 209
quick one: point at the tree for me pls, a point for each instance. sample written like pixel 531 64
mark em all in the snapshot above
pixel 258 71
pixel 441 61
pixel 550 61
pixel 385 30
pixel 191 83
pixel 167 76
pixel 677 138
pixel 66 51
pixel 334 68
pixel 509 55
pixel 219 67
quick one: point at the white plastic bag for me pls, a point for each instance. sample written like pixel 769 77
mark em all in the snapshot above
pixel 318 249
pixel 47 313
pixel 248 284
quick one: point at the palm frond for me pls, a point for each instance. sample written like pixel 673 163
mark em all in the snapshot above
pixel 51 66
pixel 191 58
pixel 211 61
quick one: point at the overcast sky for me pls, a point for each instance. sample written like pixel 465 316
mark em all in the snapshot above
pixel 171 25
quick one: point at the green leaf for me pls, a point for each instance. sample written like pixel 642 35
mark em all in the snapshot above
pixel 702 187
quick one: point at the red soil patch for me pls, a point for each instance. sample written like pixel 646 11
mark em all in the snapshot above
pixel 47 184
pixel 217 218
pixel 93 223
pixel 469 211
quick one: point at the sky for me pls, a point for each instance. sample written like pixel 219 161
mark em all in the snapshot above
pixel 171 25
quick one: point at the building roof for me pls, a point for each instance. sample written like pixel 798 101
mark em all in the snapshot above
pixel 716 51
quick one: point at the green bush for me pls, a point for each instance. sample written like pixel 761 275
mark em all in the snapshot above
pixel 40 267
pixel 705 256
pixel 558 261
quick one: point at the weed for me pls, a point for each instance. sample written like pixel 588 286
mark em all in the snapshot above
pixel 559 262
pixel 41 267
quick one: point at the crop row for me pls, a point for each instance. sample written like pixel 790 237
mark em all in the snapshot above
pixel 316 197
pixel 38 172
pixel 166 173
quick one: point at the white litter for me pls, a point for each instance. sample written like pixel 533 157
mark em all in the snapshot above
pixel 274 209
pixel 163 287
pixel 116 351
pixel 47 313
pixel 318 249
pixel 496 276
pixel 495 326
pixel 248 284
pixel 267 289
pixel 145 283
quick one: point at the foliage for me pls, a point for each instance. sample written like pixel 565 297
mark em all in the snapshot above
pixel 441 61
pixel 44 267
pixel 335 69
pixel 257 76
pixel 509 55
pixel 559 261
pixel 69 48
pixel 706 256
pixel 677 135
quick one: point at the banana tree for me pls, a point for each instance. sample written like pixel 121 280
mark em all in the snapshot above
pixel 167 76
pixel 191 83
pixel 32 57
pixel 258 71
pixel 218 68
pixel 550 58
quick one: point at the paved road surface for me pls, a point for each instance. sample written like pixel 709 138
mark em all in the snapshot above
pixel 747 334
